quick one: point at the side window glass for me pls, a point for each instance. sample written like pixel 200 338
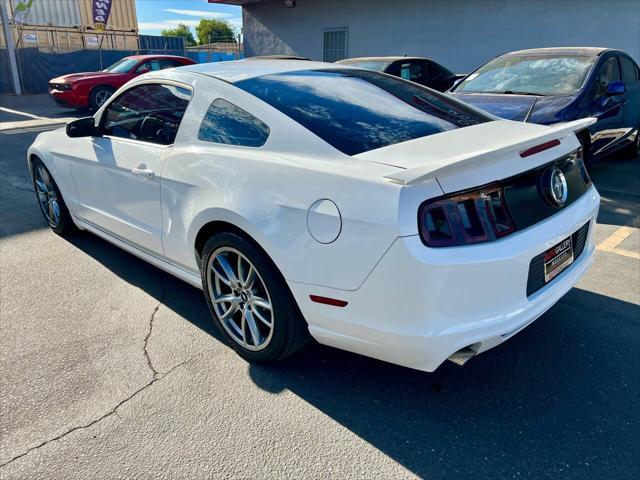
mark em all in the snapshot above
pixel 609 72
pixel 230 125
pixel 168 64
pixel 151 65
pixel 150 113
pixel 405 71
pixel 436 72
pixel 629 70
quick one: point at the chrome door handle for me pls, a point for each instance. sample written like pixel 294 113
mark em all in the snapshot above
pixel 144 172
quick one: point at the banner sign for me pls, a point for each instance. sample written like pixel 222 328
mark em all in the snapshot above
pixel 101 10
pixel 21 10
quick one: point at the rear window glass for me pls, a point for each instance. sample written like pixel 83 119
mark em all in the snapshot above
pixel 356 110
pixel 225 123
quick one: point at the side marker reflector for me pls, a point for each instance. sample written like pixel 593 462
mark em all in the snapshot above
pixel 334 302
pixel 539 148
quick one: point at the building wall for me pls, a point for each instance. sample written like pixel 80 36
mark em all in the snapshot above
pixel 460 34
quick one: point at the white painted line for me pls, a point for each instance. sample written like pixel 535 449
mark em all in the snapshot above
pixel 24 114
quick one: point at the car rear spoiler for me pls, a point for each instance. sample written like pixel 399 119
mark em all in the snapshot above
pixel 449 165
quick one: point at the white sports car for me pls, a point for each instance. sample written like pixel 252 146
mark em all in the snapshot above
pixel 317 200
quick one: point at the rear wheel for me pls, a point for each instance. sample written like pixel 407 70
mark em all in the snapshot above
pixel 50 200
pixel 99 95
pixel 249 300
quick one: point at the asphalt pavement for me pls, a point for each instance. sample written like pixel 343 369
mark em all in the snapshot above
pixel 111 368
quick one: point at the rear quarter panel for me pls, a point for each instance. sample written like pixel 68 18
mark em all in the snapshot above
pixel 267 192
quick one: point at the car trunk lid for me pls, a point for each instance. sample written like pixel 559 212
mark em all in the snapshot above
pixel 478 154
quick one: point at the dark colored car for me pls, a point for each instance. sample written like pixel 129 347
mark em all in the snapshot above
pixel 552 85
pixel 91 89
pixel 419 70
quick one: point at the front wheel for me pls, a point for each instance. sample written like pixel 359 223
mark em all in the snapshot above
pixel 50 200
pixel 250 300
pixel 99 95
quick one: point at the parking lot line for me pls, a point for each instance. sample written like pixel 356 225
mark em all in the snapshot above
pixel 619 236
pixel 18 112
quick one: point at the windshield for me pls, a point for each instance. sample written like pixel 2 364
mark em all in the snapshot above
pixel 356 110
pixel 535 75
pixel 376 66
pixel 122 66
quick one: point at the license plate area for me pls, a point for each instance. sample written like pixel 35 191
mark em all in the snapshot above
pixel 557 259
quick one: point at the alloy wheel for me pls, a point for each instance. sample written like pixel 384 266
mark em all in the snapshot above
pixel 102 97
pixel 47 196
pixel 240 298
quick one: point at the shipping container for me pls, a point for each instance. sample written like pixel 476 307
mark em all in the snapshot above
pixel 122 17
pixel 56 13
pixel 67 25
pixel 78 14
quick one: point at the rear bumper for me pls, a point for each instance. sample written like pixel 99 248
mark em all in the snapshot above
pixel 420 305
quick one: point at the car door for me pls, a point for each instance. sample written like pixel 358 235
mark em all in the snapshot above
pixel 608 109
pixel 117 173
pixel 631 106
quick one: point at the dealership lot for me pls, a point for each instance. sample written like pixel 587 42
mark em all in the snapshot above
pixel 112 368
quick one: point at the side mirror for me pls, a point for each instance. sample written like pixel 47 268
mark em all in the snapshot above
pixel 616 88
pixel 83 127
pixel 143 70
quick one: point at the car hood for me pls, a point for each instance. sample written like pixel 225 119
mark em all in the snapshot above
pixel 74 77
pixel 546 109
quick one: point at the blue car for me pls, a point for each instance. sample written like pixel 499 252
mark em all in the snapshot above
pixel 552 85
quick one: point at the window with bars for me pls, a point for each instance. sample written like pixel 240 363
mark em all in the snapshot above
pixel 335 44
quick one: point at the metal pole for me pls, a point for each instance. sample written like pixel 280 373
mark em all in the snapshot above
pixel 8 38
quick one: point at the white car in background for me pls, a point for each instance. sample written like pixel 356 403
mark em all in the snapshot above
pixel 317 200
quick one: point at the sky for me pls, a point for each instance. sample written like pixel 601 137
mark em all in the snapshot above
pixel 157 15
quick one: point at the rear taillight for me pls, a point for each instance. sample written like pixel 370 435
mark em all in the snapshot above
pixel 463 219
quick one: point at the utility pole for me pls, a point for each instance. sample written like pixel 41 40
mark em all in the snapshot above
pixel 8 38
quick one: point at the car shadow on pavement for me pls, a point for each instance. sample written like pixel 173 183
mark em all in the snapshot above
pixel 182 298
pixel 559 399
pixel 617 178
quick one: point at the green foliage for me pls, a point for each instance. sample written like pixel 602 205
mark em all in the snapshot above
pixel 214 30
pixel 181 30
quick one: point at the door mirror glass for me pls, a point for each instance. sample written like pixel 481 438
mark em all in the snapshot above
pixel 83 127
pixel 616 88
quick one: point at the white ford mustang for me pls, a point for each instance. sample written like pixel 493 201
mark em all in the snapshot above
pixel 316 200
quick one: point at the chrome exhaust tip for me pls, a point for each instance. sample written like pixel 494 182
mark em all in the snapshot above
pixel 463 355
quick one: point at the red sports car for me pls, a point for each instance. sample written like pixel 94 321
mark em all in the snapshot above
pixel 91 89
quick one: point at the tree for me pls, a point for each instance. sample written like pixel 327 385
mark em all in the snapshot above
pixel 181 30
pixel 214 30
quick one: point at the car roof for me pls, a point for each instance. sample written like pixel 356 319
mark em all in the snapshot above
pixel 236 70
pixel 144 57
pixel 380 59
pixel 593 51
pixel 277 57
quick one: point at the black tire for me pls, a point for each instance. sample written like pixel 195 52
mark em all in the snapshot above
pixel 587 155
pixel 99 95
pixel 64 224
pixel 634 148
pixel 289 329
